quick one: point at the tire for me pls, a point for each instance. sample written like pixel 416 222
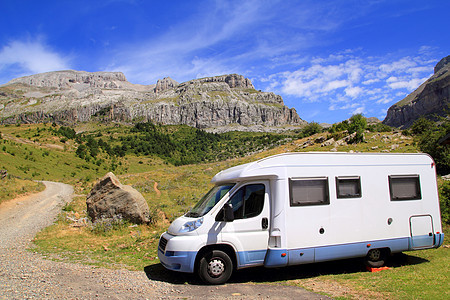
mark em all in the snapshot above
pixel 375 258
pixel 215 267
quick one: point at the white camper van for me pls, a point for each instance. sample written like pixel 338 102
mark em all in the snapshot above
pixel 299 208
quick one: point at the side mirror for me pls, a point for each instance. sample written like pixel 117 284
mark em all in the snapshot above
pixel 228 213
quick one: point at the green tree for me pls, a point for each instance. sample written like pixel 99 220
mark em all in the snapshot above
pixel 82 151
pixel 311 128
pixel 358 124
pixel 422 125
pixel 430 141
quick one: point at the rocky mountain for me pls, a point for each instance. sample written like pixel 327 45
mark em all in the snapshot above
pixel 226 102
pixel 430 99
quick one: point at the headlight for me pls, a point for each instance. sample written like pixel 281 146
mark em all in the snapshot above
pixel 191 225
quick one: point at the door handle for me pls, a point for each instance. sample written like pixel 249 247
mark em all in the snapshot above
pixel 264 223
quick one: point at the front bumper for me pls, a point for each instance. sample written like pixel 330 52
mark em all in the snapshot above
pixel 181 261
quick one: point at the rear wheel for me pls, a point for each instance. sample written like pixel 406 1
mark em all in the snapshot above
pixel 215 267
pixel 375 258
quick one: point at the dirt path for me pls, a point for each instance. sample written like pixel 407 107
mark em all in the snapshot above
pixel 27 275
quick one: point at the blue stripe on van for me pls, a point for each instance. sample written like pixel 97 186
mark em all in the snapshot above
pixel 251 258
pixel 274 257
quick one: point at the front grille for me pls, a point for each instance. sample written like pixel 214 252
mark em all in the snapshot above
pixel 162 244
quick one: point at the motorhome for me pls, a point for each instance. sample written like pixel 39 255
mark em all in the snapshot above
pixel 299 208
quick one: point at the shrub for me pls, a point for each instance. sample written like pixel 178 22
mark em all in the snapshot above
pixel 106 225
pixel 421 126
pixel 428 138
pixel 444 199
pixel 311 129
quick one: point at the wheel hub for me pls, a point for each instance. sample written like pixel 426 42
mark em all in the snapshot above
pixel 216 267
pixel 374 255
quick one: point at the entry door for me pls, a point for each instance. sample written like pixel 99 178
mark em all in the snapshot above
pixel 422 235
pixel 249 232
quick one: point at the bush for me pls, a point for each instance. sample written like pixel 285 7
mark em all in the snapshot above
pixel 428 136
pixel 311 129
pixel 104 226
pixel 422 125
pixel 379 127
pixel 444 199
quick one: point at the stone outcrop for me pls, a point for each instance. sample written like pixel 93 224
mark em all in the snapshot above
pixel 430 99
pixel 165 84
pixel 110 199
pixel 67 79
pixel 211 102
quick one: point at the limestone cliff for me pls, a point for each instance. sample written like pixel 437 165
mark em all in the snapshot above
pixel 75 96
pixel 430 99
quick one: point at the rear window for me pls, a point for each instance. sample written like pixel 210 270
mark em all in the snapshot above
pixel 309 191
pixel 404 187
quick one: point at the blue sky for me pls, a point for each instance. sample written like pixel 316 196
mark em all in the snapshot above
pixel 328 59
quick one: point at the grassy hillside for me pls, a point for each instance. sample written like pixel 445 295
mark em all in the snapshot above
pixel 170 188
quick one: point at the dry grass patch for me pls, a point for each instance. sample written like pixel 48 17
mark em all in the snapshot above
pixel 11 188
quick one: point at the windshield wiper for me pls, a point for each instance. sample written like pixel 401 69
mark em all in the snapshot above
pixel 192 215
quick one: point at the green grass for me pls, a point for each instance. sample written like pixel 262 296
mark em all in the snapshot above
pixel 420 274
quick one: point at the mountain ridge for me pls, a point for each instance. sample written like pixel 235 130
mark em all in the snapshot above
pixel 77 96
pixel 430 99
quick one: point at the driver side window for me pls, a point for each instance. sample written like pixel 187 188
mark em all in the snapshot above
pixel 248 201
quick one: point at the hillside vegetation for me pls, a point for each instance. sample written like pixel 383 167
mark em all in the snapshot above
pixel 172 166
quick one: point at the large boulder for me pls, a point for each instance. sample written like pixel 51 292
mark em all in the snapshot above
pixel 109 199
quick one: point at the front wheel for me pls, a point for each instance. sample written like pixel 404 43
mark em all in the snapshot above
pixel 375 258
pixel 215 267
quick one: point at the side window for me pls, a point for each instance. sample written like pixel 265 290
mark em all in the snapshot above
pixel 309 191
pixel 237 202
pixel 404 187
pixel 348 187
pixel 248 201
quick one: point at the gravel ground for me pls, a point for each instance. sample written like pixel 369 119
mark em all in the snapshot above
pixel 27 275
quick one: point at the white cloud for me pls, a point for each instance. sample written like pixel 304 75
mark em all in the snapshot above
pixel 370 81
pixel 402 64
pixel 353 92
pixel 353 83
pixel 359 110
pixel 319 80
pixel 30 57
pixel 409 85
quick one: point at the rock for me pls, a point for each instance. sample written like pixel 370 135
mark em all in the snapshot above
pixel 165 84
pixel 320 139
pixel 372 120
pixel 328 143
pixel 441 64
pixel 430 99
pixel 305 144
pixel 345 140
pixel 68 97
pixel 110 199
pixel 394 146
pixel 3 174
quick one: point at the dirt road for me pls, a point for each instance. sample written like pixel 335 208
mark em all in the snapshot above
pixel 27 275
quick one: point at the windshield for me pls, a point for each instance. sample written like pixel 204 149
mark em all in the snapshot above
pixel 209 200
